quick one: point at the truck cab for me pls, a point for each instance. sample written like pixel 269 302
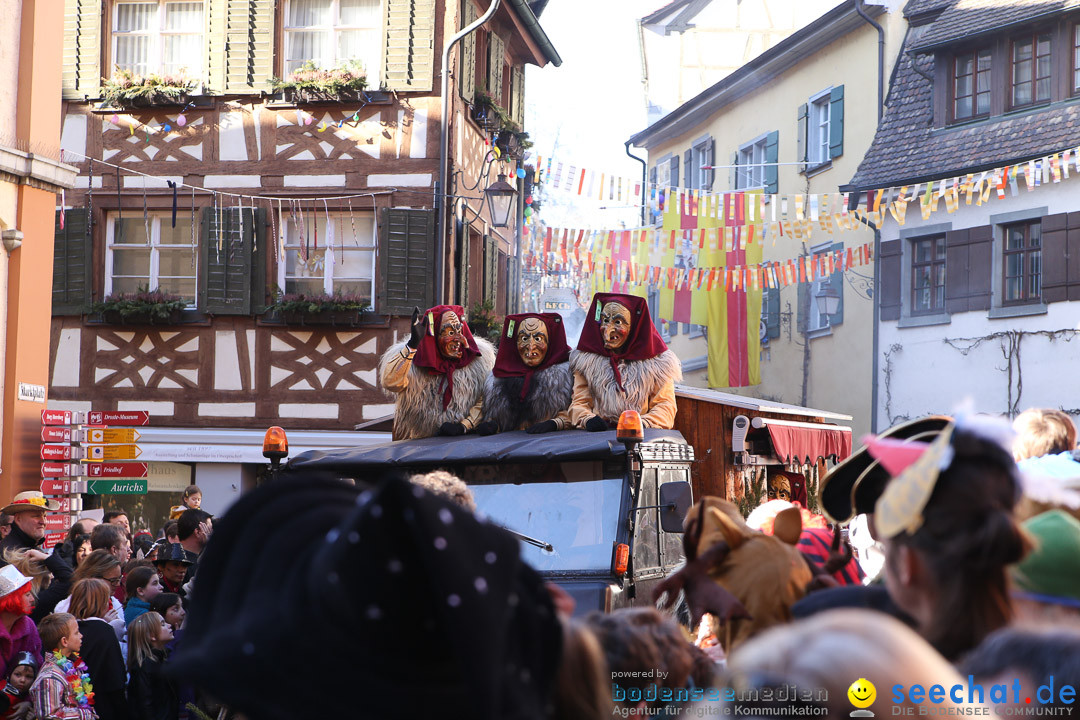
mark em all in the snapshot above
pixel 600 516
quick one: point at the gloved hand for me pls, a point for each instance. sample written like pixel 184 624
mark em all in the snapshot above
pixel 543 427
pixel 487 428
pixel 417 328
pixel 452 429
pixel 596 424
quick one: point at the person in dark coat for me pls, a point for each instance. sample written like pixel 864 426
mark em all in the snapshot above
pixel 151 694
pixel 91 606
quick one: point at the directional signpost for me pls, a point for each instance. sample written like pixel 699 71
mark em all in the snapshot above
pixel 116 487
pixel 110 436
pixel 122 417
pixel 111 452
pixel 117 470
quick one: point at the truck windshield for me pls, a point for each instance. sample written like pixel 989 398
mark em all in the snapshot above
pixel 572 506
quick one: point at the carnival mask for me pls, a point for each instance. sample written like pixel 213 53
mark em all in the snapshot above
pixel 451 341
pixel 779 488
pixel 532 341
pixel 614 326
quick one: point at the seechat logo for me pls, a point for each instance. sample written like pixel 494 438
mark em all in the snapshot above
pixel 862 694
pixel 1006 699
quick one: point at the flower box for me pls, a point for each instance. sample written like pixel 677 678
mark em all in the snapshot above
pixel 335 318
pixel 113 317
pixel 308 96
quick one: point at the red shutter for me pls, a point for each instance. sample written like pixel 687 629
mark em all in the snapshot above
pixel 889 258
pixel 957 271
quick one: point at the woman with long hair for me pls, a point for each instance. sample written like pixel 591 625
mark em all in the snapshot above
pixel 101 565
pixel 91 606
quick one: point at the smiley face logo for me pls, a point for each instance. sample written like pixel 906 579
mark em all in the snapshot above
pixel 862 693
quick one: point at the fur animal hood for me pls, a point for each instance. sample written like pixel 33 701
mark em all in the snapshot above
pixel 643 379
pixel 419 407
pixel 550 392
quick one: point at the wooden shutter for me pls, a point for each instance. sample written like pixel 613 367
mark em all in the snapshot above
pixel 226 261
pixel 889 268
pixel 82 49
pixel 836 122
pixel 468 53
pixel 981 262
pixel 802 306
pixel 513 294
pixel 496 59
pixel 463 236
pixel 1061 257
pixel 688 169
pixel 957 271
pixel 409 55
pixel 491 268
pixel 772 305
pixel 772 156
pixel 800 135
pixel 240 45
pixel 733 172
pixel 517 92
pixel 72 264
pixel 673 179
pixel 406 261
pixel 836 280
pixel 259 296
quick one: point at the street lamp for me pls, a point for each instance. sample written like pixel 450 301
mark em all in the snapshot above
pixel 828 300
pixel 500 197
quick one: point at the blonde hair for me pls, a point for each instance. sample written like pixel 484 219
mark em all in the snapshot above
pixel 1041 431
pixel 444 484
pixel 90 598
pixel 142 632
pixel 52 629
pixel 35 570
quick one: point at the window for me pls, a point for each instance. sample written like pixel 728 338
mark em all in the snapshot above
pixel 347 269
pixel 1031 69
pixel 750 172
pixel 1076 58
pixel 928 275
pixel 1022 263
pixel 826 286
pixel 153 37
pixel 701 157
pixel 971 84
pixel 151 254
pixel 818 129
pixel 331 32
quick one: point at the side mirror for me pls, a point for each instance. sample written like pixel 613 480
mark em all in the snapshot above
pixel 675 502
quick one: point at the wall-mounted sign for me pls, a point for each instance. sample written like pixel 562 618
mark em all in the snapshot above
pixel 32 393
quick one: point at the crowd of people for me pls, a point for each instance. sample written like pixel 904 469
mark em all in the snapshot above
pixel 86 628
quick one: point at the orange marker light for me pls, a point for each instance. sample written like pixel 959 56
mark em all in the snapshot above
pixel 622 558
pixel 629 428
pixel 275 444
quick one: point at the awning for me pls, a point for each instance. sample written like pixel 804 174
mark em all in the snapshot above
pixel 806 442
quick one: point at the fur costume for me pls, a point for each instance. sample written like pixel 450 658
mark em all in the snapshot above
pixel 650 388
pixel 548 398
pixel 419 409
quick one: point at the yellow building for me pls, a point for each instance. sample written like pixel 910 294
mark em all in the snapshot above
pixel 794 121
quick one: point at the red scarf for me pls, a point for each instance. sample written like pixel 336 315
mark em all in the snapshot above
pixel 643 342
pixel 428 355
pixel 508 362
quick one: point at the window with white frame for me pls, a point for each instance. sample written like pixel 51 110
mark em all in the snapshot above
pixel 330 33
pixel 750 172
pixel 159 37
pixel 817 131
pixel 316 268
pixel 151 254
pixel 815 319
pixel 701 168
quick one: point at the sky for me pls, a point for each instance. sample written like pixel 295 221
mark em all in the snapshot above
pixel 583 112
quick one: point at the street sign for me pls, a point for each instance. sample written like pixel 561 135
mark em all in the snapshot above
pixel 57 523
pixel 54 539
pixel 110 436
pixel 64 452
pixel 97 453
pixel 55 487
pixel 120 417
pixel 64 503
pixel 52 469
pixel 56 434
pixel 116 487
pixel 60 417
pixel 117 470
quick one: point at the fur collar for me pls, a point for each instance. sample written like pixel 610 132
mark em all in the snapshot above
pixel 642 379
pixel 550 393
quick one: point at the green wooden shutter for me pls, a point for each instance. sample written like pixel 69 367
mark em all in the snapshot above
pixel 491 268
pixel 409 55
pixel 800 135
pixel 468 53
pixel 464 237
pixel 496 58
pixel 225 269
pixel 836 280
pixel 259 253
pixel 72 264
pixel 513 283
pixel 772 305
pixel 517 92
pixel 82 49
pixel 406 261
pixel 240 45
pixel 772 156
pixel 836 122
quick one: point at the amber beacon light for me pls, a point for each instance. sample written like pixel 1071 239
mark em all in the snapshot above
pixel 275 444
pixel 629 427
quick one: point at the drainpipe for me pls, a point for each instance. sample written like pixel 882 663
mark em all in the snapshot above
pixel 644 178
pixel 444 130
pixel 880 56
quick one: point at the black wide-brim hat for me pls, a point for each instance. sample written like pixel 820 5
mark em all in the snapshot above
pixel 854 486
pixel 317 598
pixel 171 552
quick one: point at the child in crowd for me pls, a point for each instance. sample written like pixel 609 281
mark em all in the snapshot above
pixel 62 690
pixel 15 698
pixel 171 607
pixel 143 585
pixel 151 695
pixel 192 500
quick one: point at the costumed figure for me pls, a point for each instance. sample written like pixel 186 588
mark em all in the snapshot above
pixel 621 363
pixel 530 387
pixel 438 375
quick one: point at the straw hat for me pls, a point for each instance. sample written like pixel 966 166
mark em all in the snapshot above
pixel 30 500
